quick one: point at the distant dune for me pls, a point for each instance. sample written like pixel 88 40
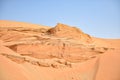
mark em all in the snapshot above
pixel 37 52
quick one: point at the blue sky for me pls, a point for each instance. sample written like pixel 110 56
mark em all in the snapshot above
pixel 99 18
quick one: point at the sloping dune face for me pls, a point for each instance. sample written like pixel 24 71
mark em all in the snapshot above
pixel 35 52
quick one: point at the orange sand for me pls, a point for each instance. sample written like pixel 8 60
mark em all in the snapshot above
pixel 36 52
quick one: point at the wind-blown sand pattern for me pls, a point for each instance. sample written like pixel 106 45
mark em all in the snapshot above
pixel 63 52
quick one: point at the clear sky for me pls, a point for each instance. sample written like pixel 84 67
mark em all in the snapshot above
pixel 99 18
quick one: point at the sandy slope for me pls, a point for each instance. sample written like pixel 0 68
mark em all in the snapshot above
pixel 109 66
pixel 59 53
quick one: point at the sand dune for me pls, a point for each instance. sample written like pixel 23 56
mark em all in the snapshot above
pixel 63 52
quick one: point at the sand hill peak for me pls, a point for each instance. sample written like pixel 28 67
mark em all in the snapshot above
pixel 63 27
pixel 63 30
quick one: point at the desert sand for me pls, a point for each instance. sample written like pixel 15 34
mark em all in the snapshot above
pixel 37 52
